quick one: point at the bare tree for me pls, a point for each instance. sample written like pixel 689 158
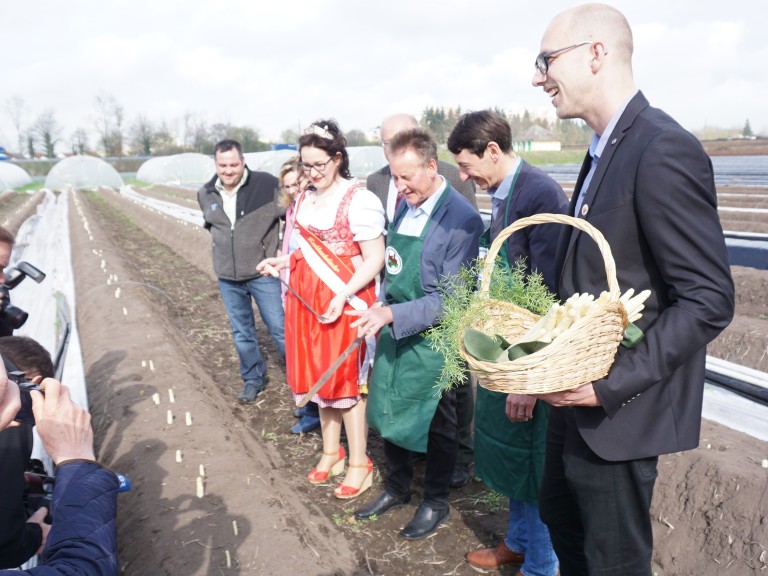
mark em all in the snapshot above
pixel 79 141
pixel 165 142
pixel 200 136
pixel 109 124
pixel 48 130
pixel 142 135
pixel 16 108
pixel 30 139
pixel 188 120
pixel 249 138
pixel 220 131
pixel 117 134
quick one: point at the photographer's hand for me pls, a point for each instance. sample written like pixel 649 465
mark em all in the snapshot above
pixel 39 518
pixel 63 426
pixel 10 400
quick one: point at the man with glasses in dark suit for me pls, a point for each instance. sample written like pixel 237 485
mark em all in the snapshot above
pixel 648 186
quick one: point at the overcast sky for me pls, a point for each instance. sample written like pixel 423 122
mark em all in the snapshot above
pixel 281 64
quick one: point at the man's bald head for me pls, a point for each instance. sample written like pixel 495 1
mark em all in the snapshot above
pixel 589 57
pixel 394 124
pixel 599 23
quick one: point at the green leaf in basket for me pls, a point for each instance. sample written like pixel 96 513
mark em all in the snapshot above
pixel 482 346
pixel 525 348
pixel 632 336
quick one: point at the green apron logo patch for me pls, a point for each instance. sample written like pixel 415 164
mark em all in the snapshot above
pixel 394 262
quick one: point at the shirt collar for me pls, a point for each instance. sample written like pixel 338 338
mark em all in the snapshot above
pixel 220 186
pixel 429 204
pixel 599 143
pixel 502 190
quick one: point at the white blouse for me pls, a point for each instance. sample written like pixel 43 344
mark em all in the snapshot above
pixel 366 214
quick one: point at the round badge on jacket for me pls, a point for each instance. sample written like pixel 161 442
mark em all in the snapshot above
pixel 393 261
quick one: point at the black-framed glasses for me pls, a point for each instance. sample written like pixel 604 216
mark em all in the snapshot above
pixel 319 166
pixel 542 60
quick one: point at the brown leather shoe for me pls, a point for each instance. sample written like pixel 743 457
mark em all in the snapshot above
pixel 494 557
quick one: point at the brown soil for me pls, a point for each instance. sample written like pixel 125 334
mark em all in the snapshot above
pixel 757 147
pixel 168 330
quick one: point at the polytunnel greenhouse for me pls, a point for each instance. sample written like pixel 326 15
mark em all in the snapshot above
pixel 12 176
pixel 269 160
pixel 364 160
pixel 82 172
pixel 181 169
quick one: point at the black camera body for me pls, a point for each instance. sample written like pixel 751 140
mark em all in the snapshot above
pixel 12 315
pixel 24 415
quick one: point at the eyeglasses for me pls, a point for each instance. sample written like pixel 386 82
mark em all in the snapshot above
pixel 319 167
pixel 542 60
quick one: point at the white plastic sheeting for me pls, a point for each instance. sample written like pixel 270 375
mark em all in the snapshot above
pixel 181 169
pixel 190 215
pixel 269 160
pixel 82 172
pixel 12 176
pixel 364 160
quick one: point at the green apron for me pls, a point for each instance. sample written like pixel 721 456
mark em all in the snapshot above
pixel 402 398
pixel 509 456
pixel 485 237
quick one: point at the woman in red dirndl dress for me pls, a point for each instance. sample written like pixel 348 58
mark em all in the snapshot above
pixel 341 235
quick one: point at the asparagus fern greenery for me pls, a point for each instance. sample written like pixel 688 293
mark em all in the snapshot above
pixel 463 305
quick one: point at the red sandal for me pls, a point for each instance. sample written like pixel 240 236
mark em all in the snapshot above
pixel 319 476
pixel 346 492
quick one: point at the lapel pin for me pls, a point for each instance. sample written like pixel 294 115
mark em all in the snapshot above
pixel 584 209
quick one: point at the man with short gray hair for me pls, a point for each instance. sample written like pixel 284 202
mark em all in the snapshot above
pixel 433 234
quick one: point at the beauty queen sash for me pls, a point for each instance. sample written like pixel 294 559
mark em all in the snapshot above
pixel 332 270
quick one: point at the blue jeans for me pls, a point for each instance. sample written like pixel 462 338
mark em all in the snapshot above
pixel 528 535
pixel 237 299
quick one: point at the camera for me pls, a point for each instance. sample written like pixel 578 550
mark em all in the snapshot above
pixel 10 314
pixel 24 415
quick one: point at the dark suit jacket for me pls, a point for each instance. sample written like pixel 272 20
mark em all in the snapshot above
pixel 653 197
pixel 534 192
pixel 378 182
pixel 450 243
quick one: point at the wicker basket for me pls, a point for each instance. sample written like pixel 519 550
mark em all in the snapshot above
pixel 582 353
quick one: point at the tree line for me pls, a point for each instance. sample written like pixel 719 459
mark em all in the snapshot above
pixel 115 136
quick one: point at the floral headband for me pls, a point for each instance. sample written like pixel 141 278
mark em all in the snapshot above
pixel 317 130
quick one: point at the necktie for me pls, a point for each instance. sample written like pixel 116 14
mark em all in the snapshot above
pixel 585 186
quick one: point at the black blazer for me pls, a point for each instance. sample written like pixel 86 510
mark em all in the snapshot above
pixel 653 197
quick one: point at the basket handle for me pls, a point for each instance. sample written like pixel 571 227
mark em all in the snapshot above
pixel 605 250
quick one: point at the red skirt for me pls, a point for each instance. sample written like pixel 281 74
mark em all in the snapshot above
pixel 311 347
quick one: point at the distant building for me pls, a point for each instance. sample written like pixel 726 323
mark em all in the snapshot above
pixel 537 139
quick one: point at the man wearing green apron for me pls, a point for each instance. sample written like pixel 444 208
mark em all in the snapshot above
pixel 510 429
pixel 433 234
